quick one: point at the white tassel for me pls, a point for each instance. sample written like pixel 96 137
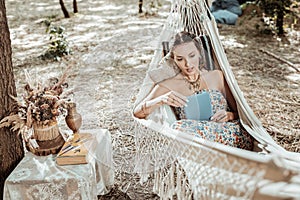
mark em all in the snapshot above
pixel 33 143
pixel 172 181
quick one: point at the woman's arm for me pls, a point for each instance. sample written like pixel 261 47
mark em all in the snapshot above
pixel 223 115
pixel 150 103
pixel 158 96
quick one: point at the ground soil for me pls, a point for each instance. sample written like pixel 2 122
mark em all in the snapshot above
pixel 112 46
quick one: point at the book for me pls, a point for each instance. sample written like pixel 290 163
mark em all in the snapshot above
pixel 199 107
pixel 74 151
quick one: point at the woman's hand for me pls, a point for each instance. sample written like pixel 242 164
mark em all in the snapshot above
pixel 173 98
pixel 222 116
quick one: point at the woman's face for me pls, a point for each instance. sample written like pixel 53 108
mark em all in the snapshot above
pixel 187 56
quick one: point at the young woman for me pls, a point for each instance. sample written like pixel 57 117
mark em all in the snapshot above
pixel 193 78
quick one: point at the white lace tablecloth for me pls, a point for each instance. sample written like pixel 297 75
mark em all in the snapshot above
pixel 40 178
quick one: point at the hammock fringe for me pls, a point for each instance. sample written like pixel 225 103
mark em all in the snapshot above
pixel 185 167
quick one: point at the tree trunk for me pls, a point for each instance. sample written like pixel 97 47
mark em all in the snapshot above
pixel 11 150
pixel 64 9
pixel 279 22
pixel 75 9
pixel 140 6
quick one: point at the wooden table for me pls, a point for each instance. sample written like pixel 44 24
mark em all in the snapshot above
pixel 39 177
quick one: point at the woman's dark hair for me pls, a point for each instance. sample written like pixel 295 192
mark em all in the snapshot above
pixel 202 43
pixel 184 37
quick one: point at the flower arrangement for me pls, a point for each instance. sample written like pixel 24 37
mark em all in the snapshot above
pixel 39 107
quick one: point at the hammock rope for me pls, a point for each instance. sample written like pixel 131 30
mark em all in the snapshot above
pixel 193 168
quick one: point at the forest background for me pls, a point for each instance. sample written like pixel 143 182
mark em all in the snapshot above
pixel 110 45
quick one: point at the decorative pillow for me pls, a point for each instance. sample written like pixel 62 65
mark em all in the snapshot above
pixel 165 70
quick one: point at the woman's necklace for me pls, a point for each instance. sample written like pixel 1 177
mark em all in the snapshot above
pixel 195 84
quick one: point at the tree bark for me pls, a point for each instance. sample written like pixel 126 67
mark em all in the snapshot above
pixel 64 9
pixel 75 9
pixel 140 6
pixel 11 150
pixel 279 21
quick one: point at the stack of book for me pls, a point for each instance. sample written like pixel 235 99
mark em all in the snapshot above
pixel 74 151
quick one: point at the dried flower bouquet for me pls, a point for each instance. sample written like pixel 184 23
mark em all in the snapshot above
pixel 38 109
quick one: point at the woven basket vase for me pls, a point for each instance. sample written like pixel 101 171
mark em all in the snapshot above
pixel 48 138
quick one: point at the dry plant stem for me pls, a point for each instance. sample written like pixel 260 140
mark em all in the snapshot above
pixel 65 74
pixel 281 59
pixel 287 102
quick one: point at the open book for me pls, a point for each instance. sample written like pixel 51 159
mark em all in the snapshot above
pixel 199 107
pixel 74 151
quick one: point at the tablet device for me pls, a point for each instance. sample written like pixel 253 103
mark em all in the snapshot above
pixel 198 107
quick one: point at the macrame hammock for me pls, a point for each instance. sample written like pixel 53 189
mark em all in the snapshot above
pixel 182 166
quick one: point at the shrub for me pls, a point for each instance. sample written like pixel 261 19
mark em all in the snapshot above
pixel 58 44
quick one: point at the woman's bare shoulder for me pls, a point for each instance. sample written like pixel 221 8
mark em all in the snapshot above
pixel 214 74
pixel 214 79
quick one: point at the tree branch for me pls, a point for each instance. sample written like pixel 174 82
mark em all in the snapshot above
pixel 281 59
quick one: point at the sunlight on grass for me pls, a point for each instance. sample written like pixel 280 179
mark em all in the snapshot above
pixel 83 37
pixel 107 8
pixel 294 77
pixel 229 42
